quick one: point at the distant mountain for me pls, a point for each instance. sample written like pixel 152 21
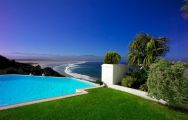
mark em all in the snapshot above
pixel 19 56
pixel 184 59
pixel 8 66
pixel 90 58
pixel 49 57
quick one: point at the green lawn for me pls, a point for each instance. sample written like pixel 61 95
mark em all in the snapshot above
pixel 99 104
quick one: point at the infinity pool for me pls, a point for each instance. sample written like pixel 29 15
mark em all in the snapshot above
pixel 16 89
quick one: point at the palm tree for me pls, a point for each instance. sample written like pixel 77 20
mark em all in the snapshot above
pixel 137 49
pixel 185 8
pixel 144 50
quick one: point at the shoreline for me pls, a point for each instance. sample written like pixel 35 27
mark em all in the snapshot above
pixel 64 68
pixel 69 73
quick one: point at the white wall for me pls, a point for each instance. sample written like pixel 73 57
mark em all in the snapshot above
pixel 186 73
pixel 113 73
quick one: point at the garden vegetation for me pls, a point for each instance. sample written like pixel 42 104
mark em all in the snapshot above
pixel 112 58
pixel 166 81
pixel 185 8
pixel 148 72
pixel 143 51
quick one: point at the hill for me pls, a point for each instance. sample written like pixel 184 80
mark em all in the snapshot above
pixel 8 66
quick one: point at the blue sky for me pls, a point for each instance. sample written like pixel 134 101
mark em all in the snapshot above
pixel 80 27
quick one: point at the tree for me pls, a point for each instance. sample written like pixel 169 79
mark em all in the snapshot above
pixel 185 8
pixel 166 81
pixel 112 58
pixel 144 50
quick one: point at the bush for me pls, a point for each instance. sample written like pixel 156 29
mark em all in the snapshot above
pixel 140 76
pixel 112 58
pixel 36 70
pixel 144 87
pixel 99 82
pixel 166 81
pixel 12 70
pixel 128 81
pixel 50 72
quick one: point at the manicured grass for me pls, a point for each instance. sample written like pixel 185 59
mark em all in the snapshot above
pixel 99 104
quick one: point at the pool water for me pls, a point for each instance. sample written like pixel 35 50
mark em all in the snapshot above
pixel 18 88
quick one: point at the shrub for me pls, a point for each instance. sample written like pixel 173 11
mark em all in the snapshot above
pixel 99 82
pixel 112 58
pixel 37 70
pixel 144 87
pixel 50 72
pixel 12 70
pixel 128 81
pixel 166 81
pixel 140 76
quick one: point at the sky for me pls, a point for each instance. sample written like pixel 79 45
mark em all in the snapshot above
pixel 89 27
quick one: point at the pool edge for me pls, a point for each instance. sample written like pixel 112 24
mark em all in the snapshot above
pixel 78 79
pixel 78 92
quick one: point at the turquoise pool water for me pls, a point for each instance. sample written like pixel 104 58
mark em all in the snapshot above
pixel 17 88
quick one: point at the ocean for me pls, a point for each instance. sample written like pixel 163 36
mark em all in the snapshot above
pixel 84 70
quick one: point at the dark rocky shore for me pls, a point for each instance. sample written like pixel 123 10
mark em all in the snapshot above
pixel 8 66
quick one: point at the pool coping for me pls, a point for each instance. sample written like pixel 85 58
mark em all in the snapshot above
pixel 79 79
pixel 78 92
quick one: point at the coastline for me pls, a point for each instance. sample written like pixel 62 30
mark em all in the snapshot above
pixel 64 68
pixel 68 72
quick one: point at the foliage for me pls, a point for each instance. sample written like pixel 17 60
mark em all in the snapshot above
pixel 14 71
pixel 140 74
pixel 166 81
pixel 112 58
pixel 50 72
pixel 144 87
pixel 139 78
pixel 99 82
pixel 36 70
pixel 185 8
pixel 128 81
pixel 144 50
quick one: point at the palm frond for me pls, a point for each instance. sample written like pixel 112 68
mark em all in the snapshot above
pixel 185 8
